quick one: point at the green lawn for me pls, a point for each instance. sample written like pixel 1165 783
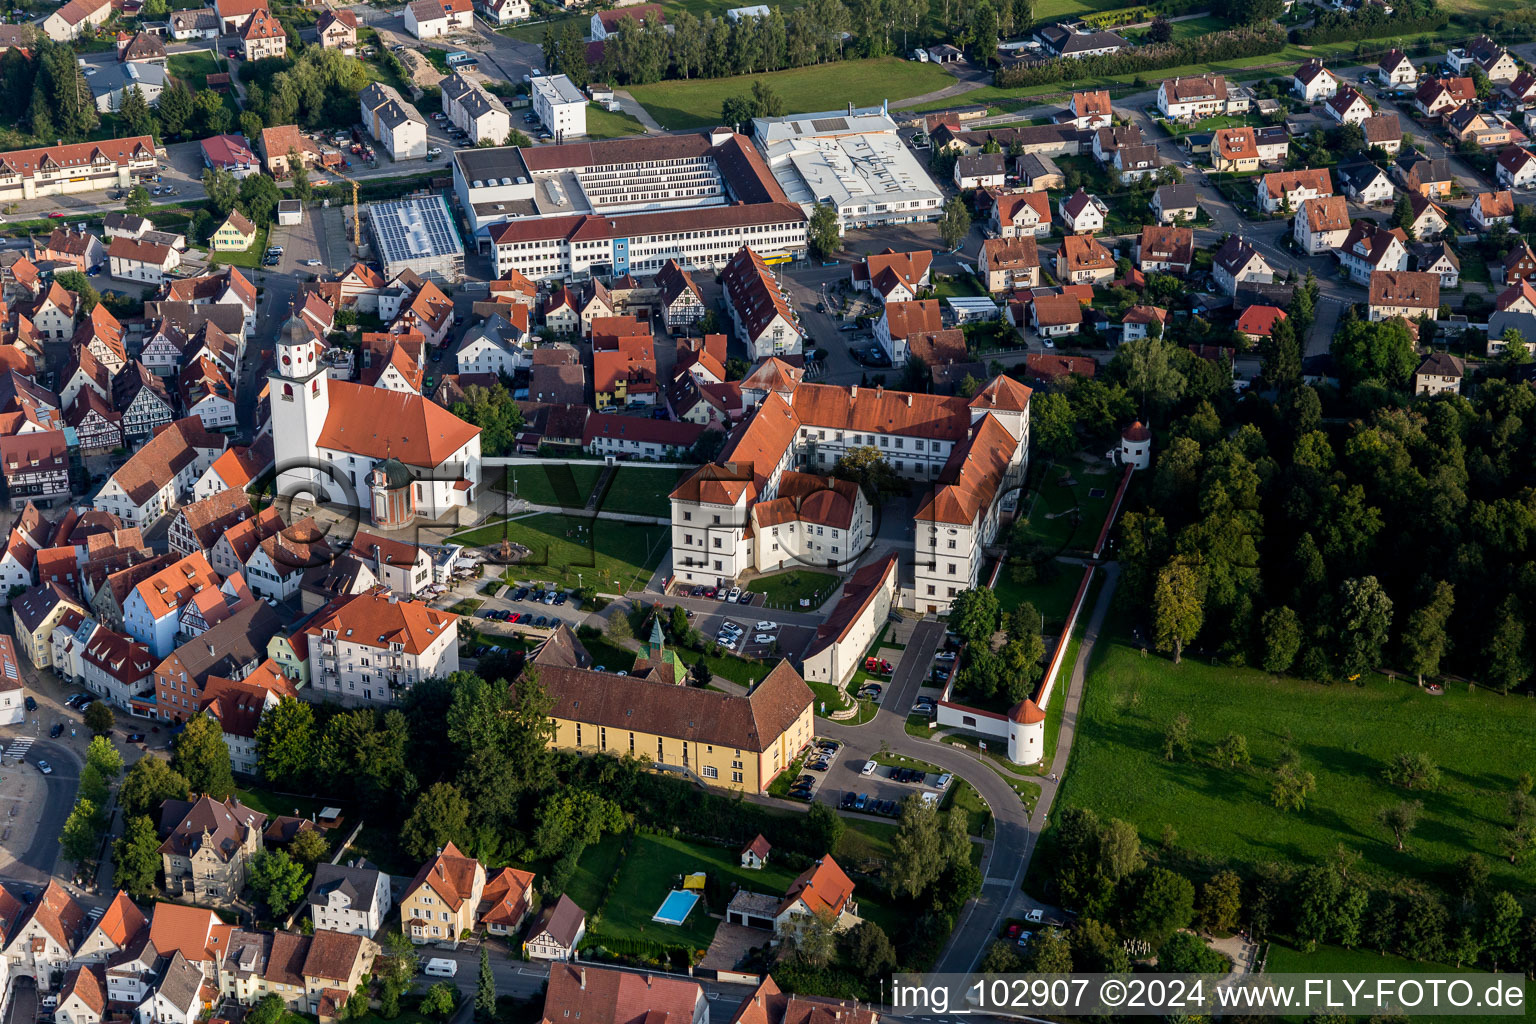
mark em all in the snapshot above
pixel 962 796
pixel 609 656
pixel 788 589
pixel 568 486
pixel 575 550
pixel 597 865
pixel 1052 598
pixel 610 124
pixel 696 103
pixel 194 67
pixel 1283 959
pixel 1061 515
pixel 1342 734
pixel 643 490
pixel 468 606
pixel 272 805
pixel 729 666
pixel 652 869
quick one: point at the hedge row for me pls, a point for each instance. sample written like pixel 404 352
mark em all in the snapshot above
pixel 1248 41
pixel 1124 16
pixel 1333 27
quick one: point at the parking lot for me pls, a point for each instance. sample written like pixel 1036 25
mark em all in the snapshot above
pixel 814 770
pixel 752 638
pixel 882 790
pixel 537 608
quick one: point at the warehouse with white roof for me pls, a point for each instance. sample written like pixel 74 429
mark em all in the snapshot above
pixel 853 159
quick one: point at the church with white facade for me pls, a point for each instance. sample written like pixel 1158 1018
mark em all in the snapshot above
pixel 329 435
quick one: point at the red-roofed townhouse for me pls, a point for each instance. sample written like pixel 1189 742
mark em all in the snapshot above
pixel 439 904
pixel 585 992
pixel 374 645
pixel 237 706
pixel 41 937
pixel 504 902
pixel 758 308
pixel 1259 321
pixel 900 321
pixel 894 276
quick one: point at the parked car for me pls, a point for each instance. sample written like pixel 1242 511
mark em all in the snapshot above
pixel 734 594
pixel 847 802
pixel 709 592
pixel 862 802
pixel 868 769
pixel 31 703
pixel 696 592
pixel 763 638
pixel 521 593
pixel 56 731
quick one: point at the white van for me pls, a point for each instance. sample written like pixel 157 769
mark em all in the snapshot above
pixel 441 968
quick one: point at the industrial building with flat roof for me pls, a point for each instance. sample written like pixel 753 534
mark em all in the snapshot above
pixel 626 205
pixel 851 159
pixel 416 234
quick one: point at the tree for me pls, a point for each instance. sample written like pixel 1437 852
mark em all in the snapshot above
pixel 1480 82
pixel 1499 928
pixel 1281 629
pixel 1161 29
pixel 1402 213
pixel 309 846
pixel 1381 350
pixel 136 858
pixel 813 942
pixel 277 880
pixel 99 719
pixel 103 756
pixel 1280 355
pixel 1159 903
pixel 440 1000
pixel 201 757
pixel 259 196
pixel 823 234
pixel 1364 618
pixel 148 784
pixel 440 817
pixel 1221 901
pixel 1411 770
pixel 1400 819
pixel 73 280
pixel 485 990
pixel 1052 425
pixel 1177 605
pixel 984 33
pixel 285 743
pixel 737 111
pixel 251 125
pixel 1187 953
pixel 974 616
pixel 1232 751
pixel 269 1009
pixel 1177 737
pixel 917 862
pixel 175 108
pixel 1291 787
pixel 1508 662
pixel 1049 952
pixel 138 201
pixel 1096 948
pixel 222 190
pixel 82 831
pixel 135 112
pixel 824 826
pixel 298 175
pixel 868 949
pixel 211 112
pixel 1424 639
pixel 954 222
pixel 1147 365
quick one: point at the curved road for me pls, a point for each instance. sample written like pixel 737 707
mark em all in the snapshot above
pixel 1016 834
pixel 35 864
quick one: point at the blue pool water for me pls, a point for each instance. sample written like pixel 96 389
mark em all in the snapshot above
pixel 674 909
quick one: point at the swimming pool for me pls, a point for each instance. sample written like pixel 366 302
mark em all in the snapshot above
pixel 674 909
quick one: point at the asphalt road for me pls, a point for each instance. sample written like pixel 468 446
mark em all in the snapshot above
pixel 36 863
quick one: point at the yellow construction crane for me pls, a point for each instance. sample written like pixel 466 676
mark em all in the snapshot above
pixel 357 217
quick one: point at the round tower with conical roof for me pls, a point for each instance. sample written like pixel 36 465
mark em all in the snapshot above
pixel 394 502
pixel 1026 732
pixel 300 401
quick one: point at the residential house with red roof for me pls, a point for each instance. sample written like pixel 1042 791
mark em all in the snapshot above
pixel 375 644
pixel 894 276
pixel 77 167
pixel 824 892
pixel 1257 322
pixel 237 705
pixel 1289 189
pixel 152 612
pixel 41 937
pixel 36 468
pixel 119 925
pixel 439 904
pixel 505 901
pixel 901 321
pixel 759 309
pixel 767 1004
pixel 1019 213
pixel 236 469
pixel 581 991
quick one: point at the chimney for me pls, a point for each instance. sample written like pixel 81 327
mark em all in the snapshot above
pixel 853 392
pixel 583 985
pixel 909 399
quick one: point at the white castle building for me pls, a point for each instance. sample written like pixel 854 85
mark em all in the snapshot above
pixel 768 502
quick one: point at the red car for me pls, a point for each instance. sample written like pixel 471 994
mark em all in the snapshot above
pixel 1013 931
pixel 56 215
pixel 709 591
